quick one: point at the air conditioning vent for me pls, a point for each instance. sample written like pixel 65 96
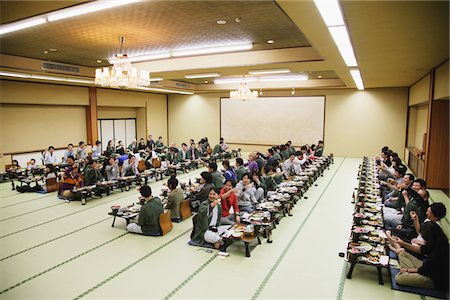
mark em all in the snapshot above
pixel 183 85
pixel 60 68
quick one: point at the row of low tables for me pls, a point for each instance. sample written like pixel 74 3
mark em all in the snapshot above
pixel 368 241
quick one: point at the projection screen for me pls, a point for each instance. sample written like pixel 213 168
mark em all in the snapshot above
pixel 273 120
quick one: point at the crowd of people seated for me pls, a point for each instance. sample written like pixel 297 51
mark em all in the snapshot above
pixel 413 225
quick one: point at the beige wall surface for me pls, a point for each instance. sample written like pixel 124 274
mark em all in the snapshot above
pixel 34 127
pixel 108 112
pixel 441 82
pixel 421 125
pixel 157 116
pixel 41 93
pixel 112 97
pixel 357 123
pixel 420 91
pixel 412 125
pixel 194 116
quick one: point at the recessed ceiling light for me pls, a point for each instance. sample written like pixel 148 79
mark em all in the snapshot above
pixel 237 20
pixel 206 81
pixel 221 22
pixel 99 61
pixel 53 49
pixel 45 52
pixel 270 41
pixel 269 71
pixel 320 76
pixel 203 75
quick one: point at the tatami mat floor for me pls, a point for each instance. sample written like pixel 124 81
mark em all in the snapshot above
pixel 50 249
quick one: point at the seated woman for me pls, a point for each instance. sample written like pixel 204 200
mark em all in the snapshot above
pixel 246 194
pixel 432 272
pixel 229 200
pixel 174 199
pixel 71 180
pixel 112 169
pixel 260 186
pixel 207 221
pixel 148 219
pixel 110 149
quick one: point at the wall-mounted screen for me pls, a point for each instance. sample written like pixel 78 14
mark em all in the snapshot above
pixel 273 120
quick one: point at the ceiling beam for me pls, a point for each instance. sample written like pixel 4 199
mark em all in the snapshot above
pixel 247 58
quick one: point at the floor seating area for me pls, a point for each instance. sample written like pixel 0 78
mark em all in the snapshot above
pixel 35 225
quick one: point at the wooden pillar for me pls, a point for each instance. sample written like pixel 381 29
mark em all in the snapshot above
pixel 91 117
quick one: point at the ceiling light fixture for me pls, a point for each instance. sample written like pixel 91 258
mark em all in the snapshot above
pixel 19 25
pixel 299 77
pixel 235 80
pixel 87 8
pixel 293 91
pixel 270 41
pixel 270 71
pixel 330 12
pixel 44 77
pixel 204 75
pixel 340 35
pixel 348 55
pixel 145 57
pixel 209 50
pixel 156 78
pixel 164 90
pixel 356 75
pixel 221 22
pixel 122 74
pixel 99 61
pixel 243 92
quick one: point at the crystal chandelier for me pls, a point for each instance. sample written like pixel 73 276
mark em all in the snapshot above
pixel 243 93
pixel 122 74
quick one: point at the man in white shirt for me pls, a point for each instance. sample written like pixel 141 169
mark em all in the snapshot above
pixel 97 150
pixel 50 157
pixel 81 151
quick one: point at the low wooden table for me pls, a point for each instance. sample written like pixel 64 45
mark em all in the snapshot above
pixel 246 239
pixel 127 218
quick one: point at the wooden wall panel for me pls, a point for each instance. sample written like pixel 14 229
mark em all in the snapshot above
pixel 438 156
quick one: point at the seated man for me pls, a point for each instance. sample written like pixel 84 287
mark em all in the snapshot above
pixel 396 200
pixel 292 165
pixel 142 146
pixel 240 169
pixel 159 144
pixel 97 150
pixel 130 166
pixel 112 169
pixel 319 149
pixel 223 145
pixel 389 188
pixel 207 221
pixel 435 213
pixel 148 219
pixel 81 151
pixel 217 178
pixel 133 147
pixel 120 149
pixel 71 180
pixel 92 174
pixel 32 165
pixel 202 195
pixel 432 273
pixel 175 197
pixel 403 221
pixel 194 156
pixel 68 152
pixel 50 156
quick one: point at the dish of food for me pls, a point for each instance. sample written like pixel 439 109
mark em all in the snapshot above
pixel 237 234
